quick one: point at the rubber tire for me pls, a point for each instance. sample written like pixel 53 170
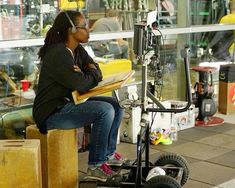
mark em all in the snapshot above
pixel 162 181
pixel 174 160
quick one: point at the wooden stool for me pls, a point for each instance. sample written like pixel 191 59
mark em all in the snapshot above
pixel 20 164
pixel 59 157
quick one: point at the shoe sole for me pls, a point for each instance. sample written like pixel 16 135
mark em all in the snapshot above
pixel 95 178
pixel 113 164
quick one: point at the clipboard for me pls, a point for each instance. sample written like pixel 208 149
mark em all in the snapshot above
pixel 108 84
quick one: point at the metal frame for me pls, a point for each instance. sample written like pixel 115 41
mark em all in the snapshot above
pixel 125 34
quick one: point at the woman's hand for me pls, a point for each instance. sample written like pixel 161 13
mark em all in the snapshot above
pixel 76 68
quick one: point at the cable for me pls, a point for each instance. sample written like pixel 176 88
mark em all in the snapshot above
pixel 162 67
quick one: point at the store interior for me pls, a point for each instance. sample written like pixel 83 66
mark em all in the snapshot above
pixel 185 39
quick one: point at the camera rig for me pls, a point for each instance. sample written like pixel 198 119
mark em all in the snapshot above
pixel 175 166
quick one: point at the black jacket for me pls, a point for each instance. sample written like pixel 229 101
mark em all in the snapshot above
pixel 58 79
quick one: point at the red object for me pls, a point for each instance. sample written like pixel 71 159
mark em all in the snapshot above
pixel 204 69
pixel 24 85
pixel 212 121
pixel 21 9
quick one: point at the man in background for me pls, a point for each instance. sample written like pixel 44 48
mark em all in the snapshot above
pixel 230 19
pixel 117 47
pixel 222 44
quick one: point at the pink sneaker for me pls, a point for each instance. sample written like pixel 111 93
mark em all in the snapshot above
pixel 116 160
pixel 102 173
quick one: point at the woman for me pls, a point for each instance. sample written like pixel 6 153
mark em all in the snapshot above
pixel 66 67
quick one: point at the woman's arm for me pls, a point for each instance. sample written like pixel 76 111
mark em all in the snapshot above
pixel 86 63
pixel 61 67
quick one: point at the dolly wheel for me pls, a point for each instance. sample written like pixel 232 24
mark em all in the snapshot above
pixel 174 160
pixel 162 181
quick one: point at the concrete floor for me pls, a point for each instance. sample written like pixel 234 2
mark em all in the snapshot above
pixel 210 152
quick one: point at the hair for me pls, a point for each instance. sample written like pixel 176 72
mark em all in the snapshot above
pixel 112 13
pixel 59 31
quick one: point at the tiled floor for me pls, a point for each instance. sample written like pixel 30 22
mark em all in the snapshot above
pixel 210 152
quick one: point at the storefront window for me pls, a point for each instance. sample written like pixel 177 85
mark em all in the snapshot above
pixel 21 19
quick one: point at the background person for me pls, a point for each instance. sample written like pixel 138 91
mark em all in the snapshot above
pixel 119 47
pixel 222 44
pixel 65 67
pixel 230 19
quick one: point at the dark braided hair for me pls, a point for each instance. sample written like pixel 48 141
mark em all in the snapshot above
pixel 59 31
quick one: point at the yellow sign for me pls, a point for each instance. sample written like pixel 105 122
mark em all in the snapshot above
pixel 72 4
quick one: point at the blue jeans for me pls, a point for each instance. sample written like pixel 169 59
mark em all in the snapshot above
pixel 105 115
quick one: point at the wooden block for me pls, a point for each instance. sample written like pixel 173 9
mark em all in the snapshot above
pixel 20 164
pixel 59 157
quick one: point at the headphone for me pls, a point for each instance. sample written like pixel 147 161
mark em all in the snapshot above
pixel 73 29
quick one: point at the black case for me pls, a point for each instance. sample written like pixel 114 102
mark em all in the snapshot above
pixel 227 73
